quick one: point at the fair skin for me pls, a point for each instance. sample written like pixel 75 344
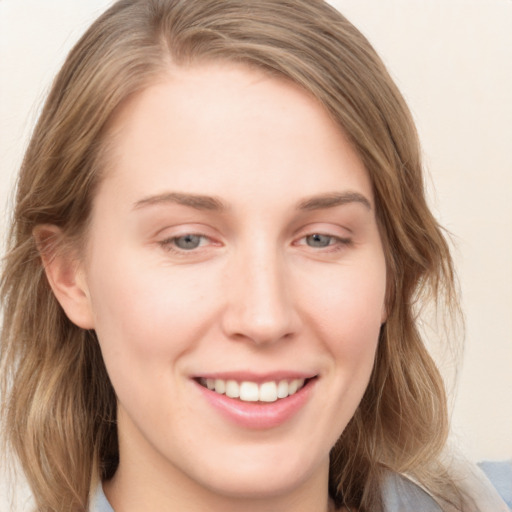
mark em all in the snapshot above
pixel 233 238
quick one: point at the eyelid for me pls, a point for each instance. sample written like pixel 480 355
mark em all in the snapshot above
pixel 201 238
pixel 166 237
pixel 173 236
pixel 341 238
pixel 183 228
pixel 324 228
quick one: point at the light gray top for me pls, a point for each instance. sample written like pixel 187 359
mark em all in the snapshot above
pixel 402 494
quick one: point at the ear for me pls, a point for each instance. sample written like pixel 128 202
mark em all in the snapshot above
pixel 65 274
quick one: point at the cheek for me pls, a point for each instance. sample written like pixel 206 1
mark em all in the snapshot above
pixel 350 303
pixel 348 311
pixel 146 325
pixel 145 315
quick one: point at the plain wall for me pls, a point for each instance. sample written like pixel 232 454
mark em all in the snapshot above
pixel 452 59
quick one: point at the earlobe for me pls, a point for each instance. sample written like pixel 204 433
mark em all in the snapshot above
pixel 65 275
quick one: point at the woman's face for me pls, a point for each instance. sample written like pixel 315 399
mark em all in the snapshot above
pixel 233 246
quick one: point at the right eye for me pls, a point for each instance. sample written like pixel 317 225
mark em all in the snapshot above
pixel 319 240
pixel 187 242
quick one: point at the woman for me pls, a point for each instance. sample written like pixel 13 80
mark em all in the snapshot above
pixel 219 240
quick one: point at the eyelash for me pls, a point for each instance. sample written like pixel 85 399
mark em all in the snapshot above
pixel 339 243
pixel 169 244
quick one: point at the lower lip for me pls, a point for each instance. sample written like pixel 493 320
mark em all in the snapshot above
pixel 259 415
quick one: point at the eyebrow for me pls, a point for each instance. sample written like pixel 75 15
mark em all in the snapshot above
pixel 198 202
pixel 332 200
pixel 210 203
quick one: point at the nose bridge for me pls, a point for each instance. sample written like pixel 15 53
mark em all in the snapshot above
pixel 260 305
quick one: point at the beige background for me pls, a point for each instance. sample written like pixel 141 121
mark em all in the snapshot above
pixel 452 60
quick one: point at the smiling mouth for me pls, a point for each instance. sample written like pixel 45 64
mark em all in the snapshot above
pixel 247 391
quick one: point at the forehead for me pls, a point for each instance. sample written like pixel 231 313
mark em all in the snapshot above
pixel 219 127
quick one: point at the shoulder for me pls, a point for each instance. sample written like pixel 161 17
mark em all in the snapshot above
pixel 400 493
pixel 99 502
pixel 499 474
pixel 487 488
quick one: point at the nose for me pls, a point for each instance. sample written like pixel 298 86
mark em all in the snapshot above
pixel 260 304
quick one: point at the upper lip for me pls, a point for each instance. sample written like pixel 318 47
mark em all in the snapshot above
pixel 241 376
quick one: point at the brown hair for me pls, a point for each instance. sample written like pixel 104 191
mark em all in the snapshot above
pixel 59 407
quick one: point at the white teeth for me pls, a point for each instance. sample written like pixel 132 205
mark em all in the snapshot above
pixel 282 389
pixel 220 386
pixel 292 387
pixel 249 392
pixel 268 392
pixel 253 392
pixel 232 389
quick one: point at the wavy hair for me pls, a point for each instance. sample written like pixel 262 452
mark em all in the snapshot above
pixel 59 408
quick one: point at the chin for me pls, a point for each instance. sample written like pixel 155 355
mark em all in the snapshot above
pixel 261 477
